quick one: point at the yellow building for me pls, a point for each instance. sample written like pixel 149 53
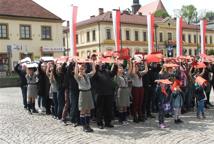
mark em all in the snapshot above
pixel 27 29
pixel 96 34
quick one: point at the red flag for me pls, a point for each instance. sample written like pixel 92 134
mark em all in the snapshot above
pixel 150 29
pixel 73 49
pixel 203 24
pixel 116 27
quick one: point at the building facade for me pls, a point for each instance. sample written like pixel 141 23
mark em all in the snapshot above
pixel 27 30
pixel 96 35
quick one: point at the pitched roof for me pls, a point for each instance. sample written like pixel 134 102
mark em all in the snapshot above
pixel 25 8
pixel 152 7
pixel 130 19
pixel 125 19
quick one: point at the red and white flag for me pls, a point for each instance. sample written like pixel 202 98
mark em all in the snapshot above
pixel 73 23
pixel 150 29
pixel 116 28
pixel 203 25
pixel 179 41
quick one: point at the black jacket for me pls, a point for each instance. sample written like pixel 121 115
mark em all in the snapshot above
pixel 21 74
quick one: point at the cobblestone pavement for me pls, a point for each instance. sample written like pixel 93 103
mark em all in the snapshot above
pixel 18 127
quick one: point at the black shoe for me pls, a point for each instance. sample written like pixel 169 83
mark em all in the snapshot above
pixel 140 119
pixel 207 107
pixel 109 125
pixel 150 116
pixel 168 115
pixel 203 115
pixel 135 119
pixel 89 128
pixel 180 121
pixel 35 111
pixel 100 125
pixel 176 122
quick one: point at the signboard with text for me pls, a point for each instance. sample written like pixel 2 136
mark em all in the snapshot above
pixel 52 49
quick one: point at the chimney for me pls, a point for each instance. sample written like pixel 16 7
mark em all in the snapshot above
pixel 101 11
pixel 126 12
pixel 68 23
pixel 93 16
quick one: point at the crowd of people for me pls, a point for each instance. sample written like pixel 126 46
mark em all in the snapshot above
pixel 78 91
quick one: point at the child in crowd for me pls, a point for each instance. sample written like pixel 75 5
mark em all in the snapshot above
pixel 162 100
pixel 200 95
pixel 177 101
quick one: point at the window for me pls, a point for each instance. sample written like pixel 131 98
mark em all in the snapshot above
pixel 77 38
pixel 94 51
pixel 3 31
pixel 94 35
pixel 195 39
pixel 136 36
pixel 190 52
pixel 127 35
pixel 161 37
pixel 25 32
pixel 88 36
pixel 169 36
pixel 184 37
pixel 108 34
pixel 211 40
pixel 144 36
pixel 206 39
pixel 189 38
pixel 200 39
pixel 46 33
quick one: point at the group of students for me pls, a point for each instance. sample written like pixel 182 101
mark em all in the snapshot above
pixel 79 91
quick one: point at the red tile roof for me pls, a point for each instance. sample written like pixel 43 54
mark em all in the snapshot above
pixel 125 19
pixel 130 19
pixel 25 8
pixel 152 7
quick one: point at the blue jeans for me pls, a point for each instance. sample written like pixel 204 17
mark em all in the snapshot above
pixel 24 95
pixel 200 106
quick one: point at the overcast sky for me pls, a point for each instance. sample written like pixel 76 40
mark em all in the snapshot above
pixel 86 8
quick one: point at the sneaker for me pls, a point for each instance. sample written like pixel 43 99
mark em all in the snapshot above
pixel 162 126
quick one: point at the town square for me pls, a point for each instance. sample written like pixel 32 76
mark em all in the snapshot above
pixel 106 72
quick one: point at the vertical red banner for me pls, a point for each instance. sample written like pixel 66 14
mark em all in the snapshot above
pixel 181 36
pixel 151 32
pixel 73 24
pixel 116 27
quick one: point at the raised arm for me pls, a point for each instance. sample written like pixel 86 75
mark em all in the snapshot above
pixel 146 69
pixel 130 67
pixel 91 74
pixel 76 69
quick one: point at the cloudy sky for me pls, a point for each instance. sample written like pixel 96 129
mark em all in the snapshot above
pixel 86 8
